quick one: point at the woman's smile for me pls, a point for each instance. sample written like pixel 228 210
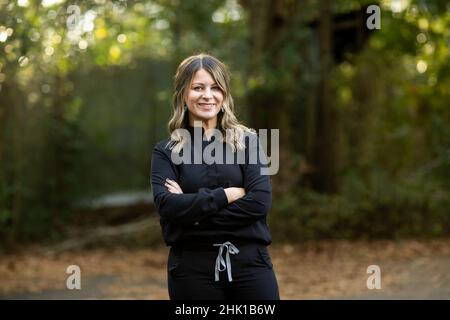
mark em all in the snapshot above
pixel 207 106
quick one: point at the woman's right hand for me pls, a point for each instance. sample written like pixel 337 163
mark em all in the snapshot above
pixel 234 193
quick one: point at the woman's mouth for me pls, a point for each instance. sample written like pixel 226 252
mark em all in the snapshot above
pixel 207 105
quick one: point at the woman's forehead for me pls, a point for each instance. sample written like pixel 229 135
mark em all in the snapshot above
pixel 202 77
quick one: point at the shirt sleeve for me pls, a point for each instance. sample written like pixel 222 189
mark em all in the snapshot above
pixel 186 208
pixel 257 201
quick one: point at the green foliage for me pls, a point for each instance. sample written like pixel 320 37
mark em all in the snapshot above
pixel 81 108
pixel 377 209
pixel 85 93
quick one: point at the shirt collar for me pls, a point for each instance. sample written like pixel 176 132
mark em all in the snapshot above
pixel 191 130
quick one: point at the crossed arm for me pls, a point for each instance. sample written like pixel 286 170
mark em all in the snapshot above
pixel 223 206
pixel 232 193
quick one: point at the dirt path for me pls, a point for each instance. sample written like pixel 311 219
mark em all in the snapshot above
pixel 316 270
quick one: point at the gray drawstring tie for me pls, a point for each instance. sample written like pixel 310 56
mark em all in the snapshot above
pixel 226 264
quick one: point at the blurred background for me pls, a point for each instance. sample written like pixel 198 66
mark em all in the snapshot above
pixel 361 101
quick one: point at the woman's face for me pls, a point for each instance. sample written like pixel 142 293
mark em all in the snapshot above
pixel 204 97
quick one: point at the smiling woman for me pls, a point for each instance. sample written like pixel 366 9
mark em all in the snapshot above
pixel 212 215
pixel 203 99
pixel 202 93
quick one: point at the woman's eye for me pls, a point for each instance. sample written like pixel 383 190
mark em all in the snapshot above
pixel 201 88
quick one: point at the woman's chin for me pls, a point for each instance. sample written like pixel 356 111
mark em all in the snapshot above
pixel 206 115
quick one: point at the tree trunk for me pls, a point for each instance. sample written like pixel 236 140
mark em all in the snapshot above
pixel 324 151
pixel 269 107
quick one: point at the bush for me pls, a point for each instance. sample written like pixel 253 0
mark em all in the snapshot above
pixel 377 209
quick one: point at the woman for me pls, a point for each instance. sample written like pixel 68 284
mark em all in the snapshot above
pixel 213 215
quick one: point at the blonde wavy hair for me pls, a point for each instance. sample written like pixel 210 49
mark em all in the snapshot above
pixel 226 121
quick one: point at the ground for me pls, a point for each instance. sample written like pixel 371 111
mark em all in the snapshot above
pixel 410 269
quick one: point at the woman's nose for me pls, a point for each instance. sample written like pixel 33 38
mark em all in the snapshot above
pixel 207 93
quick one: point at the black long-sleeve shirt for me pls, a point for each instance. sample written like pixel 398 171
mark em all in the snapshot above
pixel 202 214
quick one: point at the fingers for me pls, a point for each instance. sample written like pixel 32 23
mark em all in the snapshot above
pixel 172 186
pixel 173 190
pixel 241 193
pixel 234 193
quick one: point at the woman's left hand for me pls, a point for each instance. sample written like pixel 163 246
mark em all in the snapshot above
pixel 173 187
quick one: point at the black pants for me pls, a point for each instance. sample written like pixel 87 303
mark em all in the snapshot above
pixel 191 274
